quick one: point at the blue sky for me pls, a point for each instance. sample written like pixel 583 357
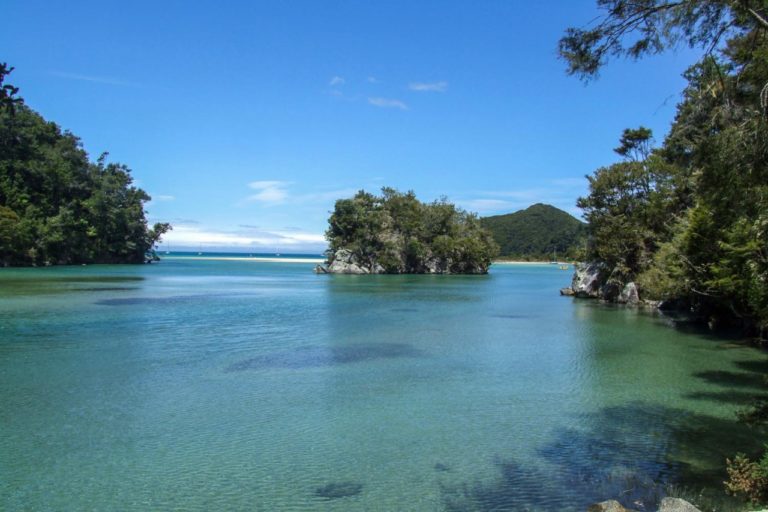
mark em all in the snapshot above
pixel 246 120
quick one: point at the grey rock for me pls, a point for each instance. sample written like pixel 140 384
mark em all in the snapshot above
pixel 568 292
pixel 588 280
pixel 629 295
pixel 344 262
pixel 676 505
pixel 610 291
pixel 607 506
pixel 319 269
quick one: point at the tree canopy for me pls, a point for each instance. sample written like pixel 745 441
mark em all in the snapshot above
pixel 401 234
pixel 636 28
pixel 56 206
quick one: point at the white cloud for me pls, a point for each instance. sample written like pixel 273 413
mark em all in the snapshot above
pixel 270 192
pixel 372 80
pixel 337 81
pixel 195 236
pixel 161 197
pixel 95 79
pixel 441 86
pixel 484 206
pixel 387 103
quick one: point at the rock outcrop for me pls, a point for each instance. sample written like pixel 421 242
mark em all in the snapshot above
pixel 344 261
pixel 595 281
pixel 588 280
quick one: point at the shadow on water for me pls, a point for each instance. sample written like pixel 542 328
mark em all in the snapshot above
pixel 637 454
pixel 754 366
pixel 728 397
pixel 752 380
pixel 316 357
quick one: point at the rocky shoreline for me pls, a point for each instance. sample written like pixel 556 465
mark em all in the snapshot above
pixel 593 281
pixel 666 505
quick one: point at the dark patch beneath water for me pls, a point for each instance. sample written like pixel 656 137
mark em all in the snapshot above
pixel 132 301
pixel 94 279
pixel 405 310
pixel 441 467
pixel 315 357
pixel 337 490
pixel 103 288
pixel 174 299
pixel 511 316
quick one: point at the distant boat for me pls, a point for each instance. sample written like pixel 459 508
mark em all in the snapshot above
pixel 564 267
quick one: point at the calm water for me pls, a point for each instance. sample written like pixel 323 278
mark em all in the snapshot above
pixel 243 385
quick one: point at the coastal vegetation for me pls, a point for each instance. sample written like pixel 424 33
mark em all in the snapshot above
pixel 539 233
pixel 57 206
pixel 687 220
pixel 395 233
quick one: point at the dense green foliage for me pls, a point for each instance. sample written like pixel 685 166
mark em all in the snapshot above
pixel 404 235
pixel 538 233
pixel 8 92
pixel 689 220
pixel 57 207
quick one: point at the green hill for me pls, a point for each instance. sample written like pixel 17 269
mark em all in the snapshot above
pixel 536 232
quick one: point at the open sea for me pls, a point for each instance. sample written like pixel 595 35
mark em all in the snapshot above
pixel 208 382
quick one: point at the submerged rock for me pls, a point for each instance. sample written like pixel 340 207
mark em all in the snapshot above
pixel 676 505
pixel 608 506
pixel 336 490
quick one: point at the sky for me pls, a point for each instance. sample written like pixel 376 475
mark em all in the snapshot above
pixel 245 121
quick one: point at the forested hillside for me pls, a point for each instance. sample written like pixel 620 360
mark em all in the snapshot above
pixel 58 207
pixel 540 232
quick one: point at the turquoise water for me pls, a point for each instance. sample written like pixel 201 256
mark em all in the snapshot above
pixel 244 385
